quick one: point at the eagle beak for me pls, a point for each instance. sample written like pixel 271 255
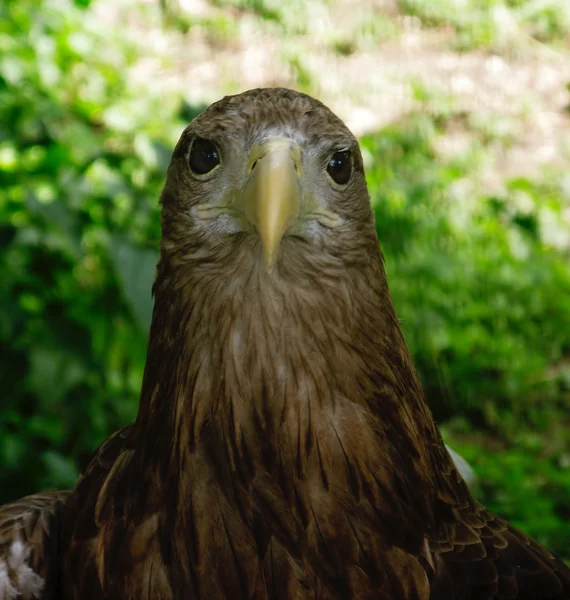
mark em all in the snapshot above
pixel 271 197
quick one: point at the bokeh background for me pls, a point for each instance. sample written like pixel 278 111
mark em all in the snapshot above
pixel 462 108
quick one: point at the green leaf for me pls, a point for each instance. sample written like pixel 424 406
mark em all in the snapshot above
pixel 136 267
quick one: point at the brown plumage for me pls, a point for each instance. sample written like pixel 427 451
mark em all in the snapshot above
pixel 283 447
pixel 29 547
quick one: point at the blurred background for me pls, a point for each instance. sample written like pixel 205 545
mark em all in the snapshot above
pixel 463 111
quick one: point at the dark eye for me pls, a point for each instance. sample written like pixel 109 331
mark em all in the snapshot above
pixel 204 156
pixel 340 166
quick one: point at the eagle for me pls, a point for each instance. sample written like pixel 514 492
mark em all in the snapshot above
pixel 283 447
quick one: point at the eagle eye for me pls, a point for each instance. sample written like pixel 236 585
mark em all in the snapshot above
pixel 340 167
pixel 204 156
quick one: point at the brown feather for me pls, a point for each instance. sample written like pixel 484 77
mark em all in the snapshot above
pixel 29 546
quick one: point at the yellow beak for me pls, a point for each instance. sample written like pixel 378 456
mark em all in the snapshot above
pixel 271 198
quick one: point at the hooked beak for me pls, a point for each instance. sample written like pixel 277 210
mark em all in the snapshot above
pixel 271 198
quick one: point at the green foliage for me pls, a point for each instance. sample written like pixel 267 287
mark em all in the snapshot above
pixel 482 284
pixel 292 17
pixel 496 24
pixel 82 158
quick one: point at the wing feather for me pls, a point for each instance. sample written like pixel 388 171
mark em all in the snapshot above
pixel 29 546
pixel 503 563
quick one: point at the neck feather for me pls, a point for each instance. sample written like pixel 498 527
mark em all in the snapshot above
pixel 249 356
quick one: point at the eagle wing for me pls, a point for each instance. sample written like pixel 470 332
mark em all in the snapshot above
pixel 477 554
pixel 29 546
pixel 111 546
